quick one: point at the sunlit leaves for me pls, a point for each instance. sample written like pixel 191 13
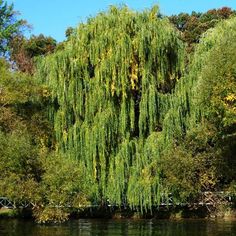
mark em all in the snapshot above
pixel 108 91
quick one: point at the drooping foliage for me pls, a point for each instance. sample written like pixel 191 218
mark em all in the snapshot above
pixel 119 107
pixel 109 91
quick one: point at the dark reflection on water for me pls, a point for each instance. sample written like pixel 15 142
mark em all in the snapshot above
pixel 88 227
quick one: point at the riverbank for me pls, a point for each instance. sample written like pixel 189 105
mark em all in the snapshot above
pixel 172 213
pixel 8 213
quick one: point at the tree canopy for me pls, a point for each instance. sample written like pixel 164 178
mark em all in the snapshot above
pixel 195 24
pixel 119 106
pixel 109 95
pixel 10 26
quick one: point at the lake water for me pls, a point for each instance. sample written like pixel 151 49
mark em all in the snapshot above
pixel 87 227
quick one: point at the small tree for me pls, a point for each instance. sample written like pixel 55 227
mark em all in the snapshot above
pixel 10 26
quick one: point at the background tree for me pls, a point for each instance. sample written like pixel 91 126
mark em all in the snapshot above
pixel 69 32
pixel 24 51
pixel 10 26
pixel 195 24
pixel 205 125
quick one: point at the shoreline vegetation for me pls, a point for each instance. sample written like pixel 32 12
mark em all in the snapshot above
pixel 131 107
pixel 226 212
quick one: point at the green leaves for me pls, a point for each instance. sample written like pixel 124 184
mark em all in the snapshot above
pixel 63 184
pixel 19 167
pixel 9 26
pixel 107 89
pixel 206 121
pixel 63 187
pixel 120 108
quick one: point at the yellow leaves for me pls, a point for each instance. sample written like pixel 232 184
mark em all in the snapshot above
pixel 146 177
pixel 65 136
pixel 134 79
pixel 231 98
pixel 113 88
pixel 230 103
pixel 50 214
pixel 154 12
pixel 135 45
pixel 208 179
pixel 45 93
pixel 134 76
pixel 109 52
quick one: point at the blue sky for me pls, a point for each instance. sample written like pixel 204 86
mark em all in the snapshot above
pixel 53 17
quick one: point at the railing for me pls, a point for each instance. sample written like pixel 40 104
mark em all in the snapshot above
pixel 6 203
pixel 204 199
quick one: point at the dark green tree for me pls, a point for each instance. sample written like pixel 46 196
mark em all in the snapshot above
pixel 10 26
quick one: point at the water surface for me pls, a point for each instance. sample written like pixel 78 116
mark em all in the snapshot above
pixel 87 227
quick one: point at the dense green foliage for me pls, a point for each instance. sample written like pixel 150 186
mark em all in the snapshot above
pixel 109 96
pixel 118 107
pixel 115 115
pixel 208 135
pixel 28 172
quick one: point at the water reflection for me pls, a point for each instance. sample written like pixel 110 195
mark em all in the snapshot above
pixel 89 227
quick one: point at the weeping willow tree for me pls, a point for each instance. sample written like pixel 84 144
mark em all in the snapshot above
pixel 117 104
pixel 110 91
